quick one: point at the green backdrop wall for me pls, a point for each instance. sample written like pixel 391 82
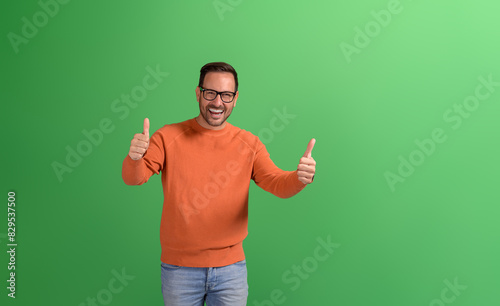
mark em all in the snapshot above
pixel 403 98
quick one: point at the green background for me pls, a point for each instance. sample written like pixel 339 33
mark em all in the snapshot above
pixel 396 247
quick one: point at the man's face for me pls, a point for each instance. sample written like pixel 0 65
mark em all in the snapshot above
pixel 210 111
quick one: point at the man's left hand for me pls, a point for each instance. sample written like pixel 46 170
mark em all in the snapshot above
pixel 307 165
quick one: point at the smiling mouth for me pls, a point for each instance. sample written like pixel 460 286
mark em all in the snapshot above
pixel 215 113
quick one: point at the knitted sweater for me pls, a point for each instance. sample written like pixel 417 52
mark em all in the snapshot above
pixel 206 176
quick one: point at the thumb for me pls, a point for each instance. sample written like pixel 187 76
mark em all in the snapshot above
pixel 145 130
pixel 310 147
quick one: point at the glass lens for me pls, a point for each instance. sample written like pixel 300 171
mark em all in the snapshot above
pixel 209 94
pixel 227 96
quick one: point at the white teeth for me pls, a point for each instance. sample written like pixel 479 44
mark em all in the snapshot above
pixel 215 110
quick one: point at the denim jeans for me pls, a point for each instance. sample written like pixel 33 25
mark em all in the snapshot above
pixel 220 286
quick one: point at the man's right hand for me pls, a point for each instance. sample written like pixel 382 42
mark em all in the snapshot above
pixel 140 143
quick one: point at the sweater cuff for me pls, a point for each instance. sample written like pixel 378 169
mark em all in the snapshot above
pixel 132 163
pixel 132 171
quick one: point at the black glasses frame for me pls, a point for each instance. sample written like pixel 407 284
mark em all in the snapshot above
pixel 218 93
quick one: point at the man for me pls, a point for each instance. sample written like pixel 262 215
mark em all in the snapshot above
pixel 206 165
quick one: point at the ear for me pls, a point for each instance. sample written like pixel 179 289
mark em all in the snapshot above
pixel 198 93
pixel 235 98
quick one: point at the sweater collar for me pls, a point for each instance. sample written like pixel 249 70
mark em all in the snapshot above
pixel 197 127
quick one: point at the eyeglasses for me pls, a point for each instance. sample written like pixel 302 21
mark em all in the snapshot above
pixel 225 96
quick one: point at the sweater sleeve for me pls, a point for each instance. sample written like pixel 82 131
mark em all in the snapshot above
pixel 268 176
pixel 138 172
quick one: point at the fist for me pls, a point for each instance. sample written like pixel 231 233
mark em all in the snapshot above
pixel 140 143
pixel 307 165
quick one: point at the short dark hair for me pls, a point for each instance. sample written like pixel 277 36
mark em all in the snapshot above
pixel 218 67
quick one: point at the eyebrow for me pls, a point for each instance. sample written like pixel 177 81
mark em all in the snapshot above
pixel 233 92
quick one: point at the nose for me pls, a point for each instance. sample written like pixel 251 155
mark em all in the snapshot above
pixel 218 101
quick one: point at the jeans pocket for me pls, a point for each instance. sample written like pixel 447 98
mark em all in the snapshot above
pixel 242 262
pixel 168 266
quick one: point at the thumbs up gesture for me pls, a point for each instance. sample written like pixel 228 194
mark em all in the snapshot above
pixel 140 142
pixel 307 165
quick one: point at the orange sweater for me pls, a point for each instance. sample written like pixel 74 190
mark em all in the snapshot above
pixel 205 176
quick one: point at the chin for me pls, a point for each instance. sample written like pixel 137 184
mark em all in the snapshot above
pixel 216 123
pixel 213 122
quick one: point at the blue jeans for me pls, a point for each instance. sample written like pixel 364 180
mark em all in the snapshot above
pixel 220 286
